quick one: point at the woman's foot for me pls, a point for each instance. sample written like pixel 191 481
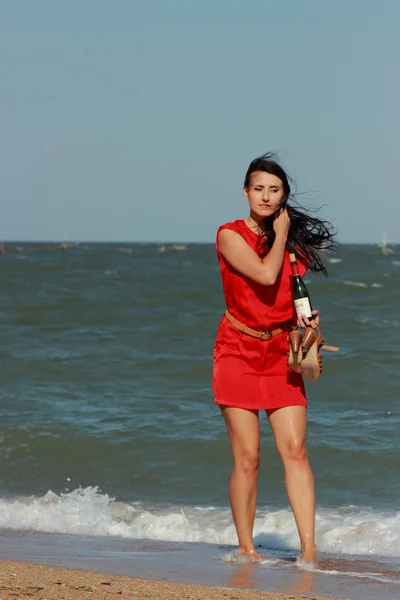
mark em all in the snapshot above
pixel 251 554
pixel 309 555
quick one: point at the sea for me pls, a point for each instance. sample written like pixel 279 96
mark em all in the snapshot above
pixel 112 448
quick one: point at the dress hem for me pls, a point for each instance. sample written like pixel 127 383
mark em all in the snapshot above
pixel 235 405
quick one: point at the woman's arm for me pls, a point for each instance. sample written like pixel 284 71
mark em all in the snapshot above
pixel 242 258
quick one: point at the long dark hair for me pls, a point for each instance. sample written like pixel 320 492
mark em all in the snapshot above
pixel 308 235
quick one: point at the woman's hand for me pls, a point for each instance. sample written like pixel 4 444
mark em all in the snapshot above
pixel 281 223
pixel 304 322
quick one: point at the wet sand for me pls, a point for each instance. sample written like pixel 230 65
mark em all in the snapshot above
pixel 47 566
pixel 26 580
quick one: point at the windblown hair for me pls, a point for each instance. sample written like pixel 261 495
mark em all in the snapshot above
pixel 308 235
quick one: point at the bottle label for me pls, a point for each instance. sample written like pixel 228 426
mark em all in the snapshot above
pixel 303 307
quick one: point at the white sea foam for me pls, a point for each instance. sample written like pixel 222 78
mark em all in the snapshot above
pixel 307 566
pixel 350 530
pixel 355 283
pixel 233 556
pixel 362 284
pixel 334 260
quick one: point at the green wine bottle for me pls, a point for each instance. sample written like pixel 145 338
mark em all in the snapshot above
pixel 301 296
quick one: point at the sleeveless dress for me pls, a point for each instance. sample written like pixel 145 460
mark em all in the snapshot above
pixel 249 372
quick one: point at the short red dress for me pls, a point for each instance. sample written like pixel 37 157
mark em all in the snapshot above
pixel 249 372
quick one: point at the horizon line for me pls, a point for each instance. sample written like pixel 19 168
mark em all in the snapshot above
pixel 154 242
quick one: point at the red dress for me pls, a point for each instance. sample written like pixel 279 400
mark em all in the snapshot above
pixel 249 372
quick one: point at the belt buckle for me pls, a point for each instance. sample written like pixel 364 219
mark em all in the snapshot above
pixel 266 333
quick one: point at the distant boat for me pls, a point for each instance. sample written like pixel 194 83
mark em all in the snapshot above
pixel 176 247
pixel 384 247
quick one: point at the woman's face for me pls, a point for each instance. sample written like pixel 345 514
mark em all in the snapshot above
pixel 265 194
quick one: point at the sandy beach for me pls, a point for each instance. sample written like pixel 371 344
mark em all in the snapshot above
pixel 24 580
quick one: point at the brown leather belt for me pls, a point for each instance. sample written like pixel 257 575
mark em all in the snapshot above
pixel 261 335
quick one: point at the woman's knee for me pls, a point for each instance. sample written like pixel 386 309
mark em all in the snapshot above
pixel 248 462
pixel 294 450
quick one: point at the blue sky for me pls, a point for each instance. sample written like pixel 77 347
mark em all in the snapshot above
pixel 136 121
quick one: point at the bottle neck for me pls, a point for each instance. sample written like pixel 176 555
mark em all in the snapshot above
pixel 295 268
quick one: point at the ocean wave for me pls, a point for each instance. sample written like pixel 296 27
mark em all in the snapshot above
pixel 375 576
pixel 86 511
pixel 360 284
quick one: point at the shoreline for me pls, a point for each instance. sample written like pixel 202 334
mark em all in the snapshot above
pixel 70 567
pixel 24 579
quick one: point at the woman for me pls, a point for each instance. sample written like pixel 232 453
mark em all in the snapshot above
pixel 251 371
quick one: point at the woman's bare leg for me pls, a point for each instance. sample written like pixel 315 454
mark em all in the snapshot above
pixel 289 425
pixel 244 435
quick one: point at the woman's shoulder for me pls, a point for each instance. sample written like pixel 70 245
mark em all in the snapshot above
pixel 239 225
